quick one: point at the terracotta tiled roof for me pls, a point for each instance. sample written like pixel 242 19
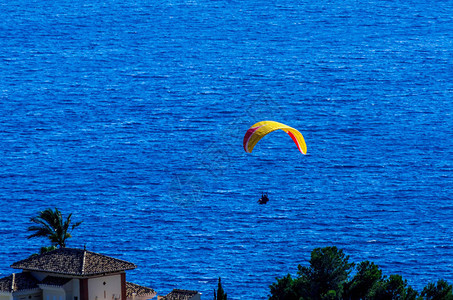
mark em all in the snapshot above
pixel 138 290
pixel 178 294
pixel 18 282
pixel 75 262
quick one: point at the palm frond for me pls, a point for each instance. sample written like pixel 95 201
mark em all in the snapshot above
pixel 50 224
pixel 39 232
pixel 76 225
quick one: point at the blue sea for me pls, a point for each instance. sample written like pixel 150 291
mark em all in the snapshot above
pixel 131 115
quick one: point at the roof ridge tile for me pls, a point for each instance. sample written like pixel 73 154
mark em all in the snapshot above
pixel 83 262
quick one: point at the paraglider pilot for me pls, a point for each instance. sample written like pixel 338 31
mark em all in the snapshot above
pixel 264 199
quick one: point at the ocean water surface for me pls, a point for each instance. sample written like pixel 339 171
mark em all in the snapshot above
pixel 131 115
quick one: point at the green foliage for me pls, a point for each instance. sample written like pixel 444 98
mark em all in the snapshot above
pixel 329 269
pixel 283 289
pixel 47 249
pixel 368 274
pixel 51 224
pixel 220 295
pixel 328 276
pixel 394 287
pixel 324 278
pixel 44 250
pixel 330 295
pixel 441 291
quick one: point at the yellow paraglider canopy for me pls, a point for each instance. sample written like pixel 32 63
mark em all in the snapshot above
pixel 257 131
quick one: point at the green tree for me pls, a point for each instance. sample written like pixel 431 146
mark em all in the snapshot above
pixel 221 295
pixel 368 274
pixel 441 291
pixel 328 277
pixel 51 224
pixel 325 277
pixel 394 287
pixel 283 289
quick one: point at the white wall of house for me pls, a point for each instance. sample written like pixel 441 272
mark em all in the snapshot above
pixel 104 288
pixel 71 289
pixel 34 294
pixel 53 293
pixel 196 297
pixel 6 296
pixel 75 290
pixel 68 289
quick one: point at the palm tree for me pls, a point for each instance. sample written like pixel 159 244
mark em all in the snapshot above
pixel 50 224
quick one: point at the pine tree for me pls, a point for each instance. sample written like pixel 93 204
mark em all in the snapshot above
pixel 221 295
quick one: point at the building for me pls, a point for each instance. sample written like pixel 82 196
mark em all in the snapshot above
pixel 72 274
pixel 177 294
